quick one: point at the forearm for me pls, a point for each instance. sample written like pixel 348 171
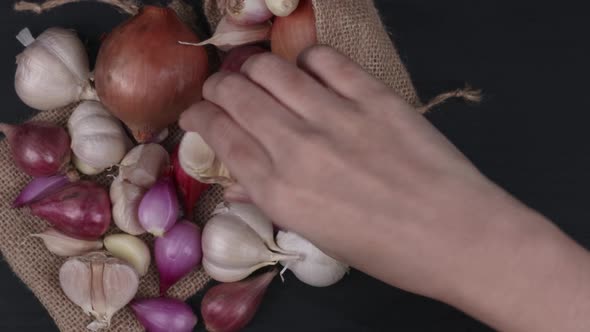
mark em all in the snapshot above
pixel 526 276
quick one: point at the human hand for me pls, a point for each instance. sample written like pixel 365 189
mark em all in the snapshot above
pixel 331 153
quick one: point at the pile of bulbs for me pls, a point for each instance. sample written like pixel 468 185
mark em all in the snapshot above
pixel 143 79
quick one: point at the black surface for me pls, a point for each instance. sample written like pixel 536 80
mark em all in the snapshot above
pixel 529 135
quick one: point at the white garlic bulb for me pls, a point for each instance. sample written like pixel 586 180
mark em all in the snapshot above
pixel 314 267
pixel 53 70
pixel 198 160
pixel 98 139
pixel 232 249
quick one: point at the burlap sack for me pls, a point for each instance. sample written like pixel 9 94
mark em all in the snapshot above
pixel 351 26
pixel 354 28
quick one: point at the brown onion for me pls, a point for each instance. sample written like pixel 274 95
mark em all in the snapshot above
pixel 294 33
pixel 144 77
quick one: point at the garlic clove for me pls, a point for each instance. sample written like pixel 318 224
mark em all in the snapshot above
pixel 75 279
pixel 143 164
pixel 253 217
pixel 65 246
pixel 120 285
pixel 229 242
pixel 232 249
pixel 314 267
pixel 223 274
pixel 130 249
pixel 282 7
pixel 198 160
pixel 229 35
pixel 85 169
pixel 125 198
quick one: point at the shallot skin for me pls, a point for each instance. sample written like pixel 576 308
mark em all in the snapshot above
pixel 145 77
pixel 81 210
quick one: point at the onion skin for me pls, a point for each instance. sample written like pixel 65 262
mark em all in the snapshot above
pixel 238 56
pixel 292 34
pixel 81 210
pixel 38 148
pixel 177 253
pixel 164 315
pixel 230 307
pixel 144 77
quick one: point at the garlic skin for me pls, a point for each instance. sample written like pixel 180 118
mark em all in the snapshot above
pixel 314 267
pixel 65 246
pixel 98 139
pixel 53 70
pixel 143 164
pixel 198 160
pixel 253 217
pixel 232 249
pixel 99 284
pixel 125 198
pixel 130 249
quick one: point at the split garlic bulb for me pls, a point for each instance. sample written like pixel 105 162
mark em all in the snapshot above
pixel 98 139
pixel 198 160
pixel 232 249
pixel 53 70
pixel 314 267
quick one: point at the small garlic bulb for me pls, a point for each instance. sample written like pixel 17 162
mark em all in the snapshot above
pixel 101 285
pixel 53 70
pixel 138 171
pixel 143 164
pixel 98 139
pixel 314 267
pixel 232 250
pixel 198 160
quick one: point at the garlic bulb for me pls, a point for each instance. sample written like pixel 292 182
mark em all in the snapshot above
pixel 253 217
pixel 65 246
pixel 125 198
pixel 138 171
pixel 232 249
pixel 99 284
pixel 53 70
pixel 143 164
pixel 198 160
pixel 314 267
pixel 98 139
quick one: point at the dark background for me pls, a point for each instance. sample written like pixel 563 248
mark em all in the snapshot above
pixel 529 135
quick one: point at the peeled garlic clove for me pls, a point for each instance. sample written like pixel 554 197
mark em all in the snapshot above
pixel 99 284
pixel 230 244
pixel 65 246
pixel 98 139
pixel 130 249
pixel 143 164
pixel 198 160
pixel 223 274
pixel 253 217
pixel 126 197
pixel 53 70
pixel 314 267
